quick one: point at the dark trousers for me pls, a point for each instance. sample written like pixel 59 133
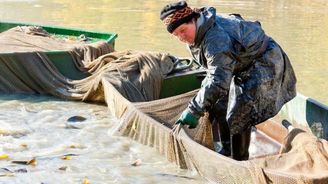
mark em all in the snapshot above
pixel 236 145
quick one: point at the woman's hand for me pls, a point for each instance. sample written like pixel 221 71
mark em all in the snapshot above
pixel 187 118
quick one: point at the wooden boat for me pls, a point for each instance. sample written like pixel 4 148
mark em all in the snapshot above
pixel 302 112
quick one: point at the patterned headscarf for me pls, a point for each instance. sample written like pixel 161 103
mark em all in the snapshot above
pixel 175 14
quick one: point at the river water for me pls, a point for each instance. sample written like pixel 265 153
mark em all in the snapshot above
pixel 34 126
pixel 300 27
pixel 37 127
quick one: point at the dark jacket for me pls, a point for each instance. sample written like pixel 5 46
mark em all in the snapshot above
pixel 243 65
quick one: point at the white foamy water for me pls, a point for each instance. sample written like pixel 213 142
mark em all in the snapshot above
pixel 71 152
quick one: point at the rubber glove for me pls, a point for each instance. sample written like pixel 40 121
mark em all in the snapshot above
pixel 187 118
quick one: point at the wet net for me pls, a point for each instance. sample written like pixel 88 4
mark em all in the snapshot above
pixel 129 83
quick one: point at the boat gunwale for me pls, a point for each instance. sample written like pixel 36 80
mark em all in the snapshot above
pixel 108 37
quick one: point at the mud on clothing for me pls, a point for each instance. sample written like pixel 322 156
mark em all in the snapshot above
pixel 244 66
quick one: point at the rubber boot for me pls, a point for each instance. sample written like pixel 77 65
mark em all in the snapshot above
pixel 221 138
pixel 220 128
pixel 240 144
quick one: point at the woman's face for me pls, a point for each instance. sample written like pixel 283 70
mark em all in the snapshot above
pixel 186 32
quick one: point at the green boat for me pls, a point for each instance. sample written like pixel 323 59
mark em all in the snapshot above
pixel 62 59
pixel 152 122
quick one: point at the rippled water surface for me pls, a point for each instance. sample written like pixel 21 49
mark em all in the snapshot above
pixel 37 127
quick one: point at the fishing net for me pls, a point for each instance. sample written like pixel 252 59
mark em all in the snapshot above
pixel 302 158
pixel 129 83
pixel 33 38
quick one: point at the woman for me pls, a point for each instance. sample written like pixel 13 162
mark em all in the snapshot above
pixel 249 77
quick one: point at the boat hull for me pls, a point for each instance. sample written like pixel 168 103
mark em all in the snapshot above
pixel 63 59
